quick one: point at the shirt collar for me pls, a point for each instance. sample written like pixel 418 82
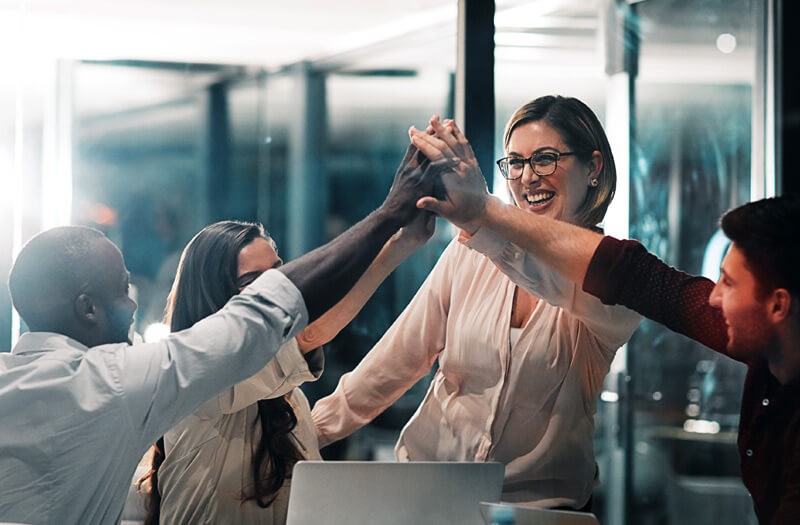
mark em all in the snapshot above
pixel 32 342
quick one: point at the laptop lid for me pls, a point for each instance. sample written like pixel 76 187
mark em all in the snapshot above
pixel 525 515
pixel 391 493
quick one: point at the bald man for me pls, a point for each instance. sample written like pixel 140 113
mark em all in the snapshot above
pixel 79 404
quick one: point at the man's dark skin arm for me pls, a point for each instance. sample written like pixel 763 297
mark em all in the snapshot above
pixel 327 273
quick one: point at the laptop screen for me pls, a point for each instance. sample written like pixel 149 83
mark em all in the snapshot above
pixel 389 493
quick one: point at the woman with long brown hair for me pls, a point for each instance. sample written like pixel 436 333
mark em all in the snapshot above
pixel 231 461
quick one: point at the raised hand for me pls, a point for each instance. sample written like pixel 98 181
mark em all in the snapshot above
pixel 452 161
pixel 411 182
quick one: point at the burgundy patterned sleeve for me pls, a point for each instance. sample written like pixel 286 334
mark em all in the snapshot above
pixel 624 272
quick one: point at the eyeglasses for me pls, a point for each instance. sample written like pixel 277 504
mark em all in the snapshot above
pixel 543 164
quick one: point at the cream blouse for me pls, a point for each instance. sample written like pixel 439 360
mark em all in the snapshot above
pixel 208 463
pixel 531 408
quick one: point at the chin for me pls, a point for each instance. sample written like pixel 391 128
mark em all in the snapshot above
pixel 746 350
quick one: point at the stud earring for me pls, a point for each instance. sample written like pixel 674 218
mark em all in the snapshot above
pixel 594 182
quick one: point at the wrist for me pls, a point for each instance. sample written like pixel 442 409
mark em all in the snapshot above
pixel 485 210
pixel 388 217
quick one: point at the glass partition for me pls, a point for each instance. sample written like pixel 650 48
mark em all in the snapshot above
pixel 692 159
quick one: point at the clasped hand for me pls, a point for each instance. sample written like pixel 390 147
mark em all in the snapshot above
pixel 463 196
pixel 439 174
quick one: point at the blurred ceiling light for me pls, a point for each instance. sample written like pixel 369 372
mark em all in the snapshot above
pixel 527 14
pixel 103 215
pixel 393 29
pixel 701 426
pixel 609 396
pixel 726 43
pixel 657 396
pixel 573 23
pixel 525 39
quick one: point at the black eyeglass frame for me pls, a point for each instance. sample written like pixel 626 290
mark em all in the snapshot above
pixel 529 160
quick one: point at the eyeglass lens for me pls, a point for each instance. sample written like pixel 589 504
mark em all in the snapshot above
pixel 542 163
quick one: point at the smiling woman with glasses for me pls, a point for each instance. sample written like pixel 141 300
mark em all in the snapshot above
pixel 520 362
pixel 559 138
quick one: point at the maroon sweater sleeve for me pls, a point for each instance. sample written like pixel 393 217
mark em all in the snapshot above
pixel 624 272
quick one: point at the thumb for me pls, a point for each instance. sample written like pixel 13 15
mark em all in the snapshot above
pixel 432 205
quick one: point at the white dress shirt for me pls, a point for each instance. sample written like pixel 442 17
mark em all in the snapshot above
pixel 75 421
pixel 530 407
pixel 208 466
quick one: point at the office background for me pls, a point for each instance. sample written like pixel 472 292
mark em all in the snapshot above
pixel 149 120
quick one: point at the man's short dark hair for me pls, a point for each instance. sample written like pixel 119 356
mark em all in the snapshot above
pixel 51 267
pixel 767 232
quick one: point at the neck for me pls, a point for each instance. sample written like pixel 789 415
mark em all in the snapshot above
pixel 784 359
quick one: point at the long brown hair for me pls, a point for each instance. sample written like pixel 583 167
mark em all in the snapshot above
pixel 205 281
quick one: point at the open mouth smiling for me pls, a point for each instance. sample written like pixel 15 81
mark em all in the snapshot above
pixel 539 197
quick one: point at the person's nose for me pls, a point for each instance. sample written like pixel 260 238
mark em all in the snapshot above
pixel 529 175
pixel 715 299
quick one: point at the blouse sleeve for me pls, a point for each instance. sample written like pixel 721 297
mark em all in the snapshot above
pixel 403 355
pixel 611 325
pixel 287 371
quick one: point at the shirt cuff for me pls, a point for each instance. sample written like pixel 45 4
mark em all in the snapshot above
pixel 484 241
pixel 598 280
pixel 298 367
pixel 281 291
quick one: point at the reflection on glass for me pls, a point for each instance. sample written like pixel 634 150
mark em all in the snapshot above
pixel 691 161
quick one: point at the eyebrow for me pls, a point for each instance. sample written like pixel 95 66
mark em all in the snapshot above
pixel 248 275
pixel 540 150
pixel 726 275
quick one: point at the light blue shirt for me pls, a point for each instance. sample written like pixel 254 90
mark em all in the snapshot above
pixel 75 421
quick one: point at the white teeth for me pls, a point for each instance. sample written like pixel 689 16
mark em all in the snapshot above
pixel 539 196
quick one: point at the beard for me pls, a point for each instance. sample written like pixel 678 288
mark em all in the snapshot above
pixel 750 335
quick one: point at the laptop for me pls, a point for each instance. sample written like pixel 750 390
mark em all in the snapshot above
pixel 525 515
pixel 391 493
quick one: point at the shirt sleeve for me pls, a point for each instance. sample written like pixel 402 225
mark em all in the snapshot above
pixel 625 273
pixel 403 355
pixel 287 371
pixel 611 325
pixel 163 382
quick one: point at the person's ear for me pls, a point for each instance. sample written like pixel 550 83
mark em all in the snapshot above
pixel 595 167
pixel 85 308
pixel 779 305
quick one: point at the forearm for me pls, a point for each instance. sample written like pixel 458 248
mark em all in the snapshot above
pixel 624 272
pixel 562 246
pixel 325 274
pixel 334 320
pixel 380 379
